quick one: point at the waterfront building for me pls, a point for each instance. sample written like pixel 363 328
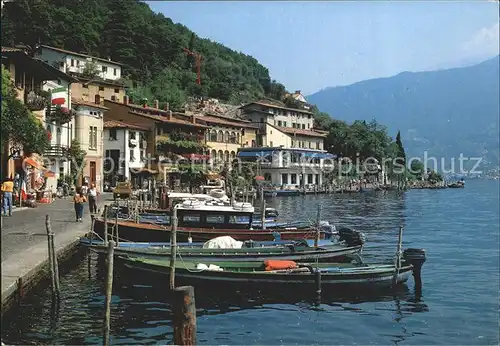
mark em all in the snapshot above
pixel 290 167
pixel 37 82
pixel 98 79
pixel 125 148
pixel 172 137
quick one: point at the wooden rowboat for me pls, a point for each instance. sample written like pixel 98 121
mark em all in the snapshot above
pixel 250 251
pixel 245 273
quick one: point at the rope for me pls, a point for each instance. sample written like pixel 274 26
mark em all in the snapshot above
pixel 190 270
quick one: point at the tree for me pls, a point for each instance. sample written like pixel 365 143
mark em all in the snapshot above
pixel 19 126
pixel 77 159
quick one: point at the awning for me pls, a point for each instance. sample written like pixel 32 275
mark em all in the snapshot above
pixel 196 156
pixel 260 177
pixel 254 153
pixel 30 161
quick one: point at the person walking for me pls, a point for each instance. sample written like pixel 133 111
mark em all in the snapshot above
pixel 92 193
pixel 79 199
pixel 7 190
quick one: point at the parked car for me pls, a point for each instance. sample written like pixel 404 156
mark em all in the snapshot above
pixel 122 190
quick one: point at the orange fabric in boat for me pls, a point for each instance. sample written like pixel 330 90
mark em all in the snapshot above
pixel 277 265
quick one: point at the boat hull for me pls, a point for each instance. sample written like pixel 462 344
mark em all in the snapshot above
pixel 377 277
pixel 200 254
pixel 137 232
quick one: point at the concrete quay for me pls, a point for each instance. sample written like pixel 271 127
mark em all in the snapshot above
pixel 24 244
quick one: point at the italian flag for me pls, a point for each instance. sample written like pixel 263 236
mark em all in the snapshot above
pixel 24 196
pixel 58 96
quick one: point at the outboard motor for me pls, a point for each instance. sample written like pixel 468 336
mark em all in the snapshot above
pixel 351 237
pixel 415 257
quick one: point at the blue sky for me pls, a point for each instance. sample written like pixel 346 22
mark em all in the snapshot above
pixel 313 45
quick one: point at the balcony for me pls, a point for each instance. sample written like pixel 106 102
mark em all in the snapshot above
pixel 60 115
pixel 57 151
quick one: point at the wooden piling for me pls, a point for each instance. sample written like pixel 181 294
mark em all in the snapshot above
pixel 54 270
pixel 318 229
pixel 398 255
pixel 263 214
pixel 109 292
pixel 105 225
pixel 173 248
pixel 184 315
pixel 116 226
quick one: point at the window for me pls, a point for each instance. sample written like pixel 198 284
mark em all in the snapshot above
pixel 213 136
pixel 112 134
pixel 93 137
pixel 271 143
pixel 132 134
pixel 309 178
pixel 308 125
pixel 158 131
pixel 284 178
pixel 72 62
pixel 143 155
pixel 220 136
pixel 243 132
pixel 279 122
pixel 117 91
pixel 294 179
pixel 132 158
pixel 191 218
pixel 317 145
pixel 226 137
pixel 104 69
pixel 85 86
pixel 115 72
pixel 215 218
pixel 303 126
pixel 113 98
pixel 261 120
pixel 101 88
pixel 239 219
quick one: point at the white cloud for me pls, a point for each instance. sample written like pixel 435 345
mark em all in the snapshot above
pixel 484 42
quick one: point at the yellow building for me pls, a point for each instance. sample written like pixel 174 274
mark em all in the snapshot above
pixel 225 136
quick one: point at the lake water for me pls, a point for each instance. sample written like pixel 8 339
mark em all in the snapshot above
pixel 459 228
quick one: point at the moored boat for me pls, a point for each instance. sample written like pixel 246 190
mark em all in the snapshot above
pixel 231 250
pixel 285 272
pixel 202 221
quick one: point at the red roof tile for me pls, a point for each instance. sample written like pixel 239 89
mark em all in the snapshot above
pixel 88 104
pixel 235 123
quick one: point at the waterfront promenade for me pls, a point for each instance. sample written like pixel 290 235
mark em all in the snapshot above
pixel 24 240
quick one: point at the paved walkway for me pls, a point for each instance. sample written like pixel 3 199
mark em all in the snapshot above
pixel 24 237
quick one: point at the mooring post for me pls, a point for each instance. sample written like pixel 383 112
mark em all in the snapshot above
pixel 263 214
pixel 398 256
pixel 54 270
pixel 317 277
pixel 318 229
pixel 116 226
pixel 232 192
pixel 109 292
pixel 105 225
pixel 173 248
pixel 184 315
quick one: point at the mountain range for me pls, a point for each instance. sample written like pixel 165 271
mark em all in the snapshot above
pixel 444 112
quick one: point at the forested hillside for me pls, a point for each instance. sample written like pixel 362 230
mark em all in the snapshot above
pixel 149 44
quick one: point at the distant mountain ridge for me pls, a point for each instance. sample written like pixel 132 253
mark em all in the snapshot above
pixel 444 112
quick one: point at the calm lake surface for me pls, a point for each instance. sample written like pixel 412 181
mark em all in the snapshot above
pixel 459 229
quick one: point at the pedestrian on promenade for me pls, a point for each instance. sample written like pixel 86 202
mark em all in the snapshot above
pixel 79 199
pixel 84 189
pixel 93 198
pixel 7 190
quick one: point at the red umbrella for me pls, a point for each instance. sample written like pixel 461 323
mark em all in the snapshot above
pixel 260 177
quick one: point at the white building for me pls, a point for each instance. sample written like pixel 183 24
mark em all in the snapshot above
pixel 125 148
pixel 290 168
pixel 61 132
pixel 72 62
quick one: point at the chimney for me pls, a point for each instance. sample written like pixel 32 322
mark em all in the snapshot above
pixel 169 116
pixel 193 119
pixel 157 104
pixel 166 106
pixel 125 100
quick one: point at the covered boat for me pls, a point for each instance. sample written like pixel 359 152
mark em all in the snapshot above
pixel 229 249
pixel 202 221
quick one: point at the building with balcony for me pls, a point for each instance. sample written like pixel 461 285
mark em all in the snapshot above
pixel 98 78
pixel 89 133
pixel 290 168
pixel 32 79
pixel 281 126
pixel 125 148
pixel 172 136
pixel 225 136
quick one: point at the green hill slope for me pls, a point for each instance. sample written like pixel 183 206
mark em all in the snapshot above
pixel 151 46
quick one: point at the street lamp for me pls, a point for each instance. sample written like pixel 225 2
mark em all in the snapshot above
pixel 15 152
